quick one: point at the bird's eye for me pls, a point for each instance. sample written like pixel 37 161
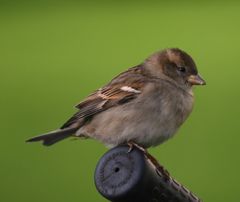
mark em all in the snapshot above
pixel 182 69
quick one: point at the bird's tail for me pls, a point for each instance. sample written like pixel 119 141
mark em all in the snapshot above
pixel 55 136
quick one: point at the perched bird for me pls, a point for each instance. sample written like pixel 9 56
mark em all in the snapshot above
pixel 145 104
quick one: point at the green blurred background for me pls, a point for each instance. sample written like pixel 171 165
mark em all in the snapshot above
pixel 53 54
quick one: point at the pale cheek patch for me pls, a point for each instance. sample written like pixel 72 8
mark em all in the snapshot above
pixel 130 89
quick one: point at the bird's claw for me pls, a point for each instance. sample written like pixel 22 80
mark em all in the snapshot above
pixel 154 161
pixel 132 144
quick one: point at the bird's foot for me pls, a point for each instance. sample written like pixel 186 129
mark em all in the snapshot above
pixel 132 144
pixel 152 159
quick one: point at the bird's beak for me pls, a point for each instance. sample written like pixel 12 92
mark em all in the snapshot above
pixel 196 80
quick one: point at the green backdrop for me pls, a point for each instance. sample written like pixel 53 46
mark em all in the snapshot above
pixel 53 54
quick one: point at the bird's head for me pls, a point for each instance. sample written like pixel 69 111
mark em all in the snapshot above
pixel 176 65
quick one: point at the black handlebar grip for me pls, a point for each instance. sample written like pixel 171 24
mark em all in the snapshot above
pixel 123 176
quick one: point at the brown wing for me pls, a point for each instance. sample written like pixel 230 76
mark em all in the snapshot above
pixel 120 90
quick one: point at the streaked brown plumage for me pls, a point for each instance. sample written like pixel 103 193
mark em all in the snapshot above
pixel 145 104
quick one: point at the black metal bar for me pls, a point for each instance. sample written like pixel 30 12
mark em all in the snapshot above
pixel 123 176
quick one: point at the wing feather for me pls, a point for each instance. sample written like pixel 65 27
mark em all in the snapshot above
pixel 111 95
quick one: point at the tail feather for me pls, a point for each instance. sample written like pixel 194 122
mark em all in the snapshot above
pixel 53 137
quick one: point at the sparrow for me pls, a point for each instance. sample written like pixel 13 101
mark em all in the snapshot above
pixel 145 105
